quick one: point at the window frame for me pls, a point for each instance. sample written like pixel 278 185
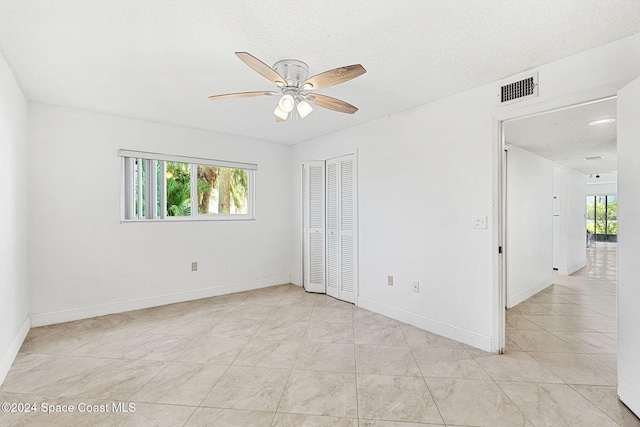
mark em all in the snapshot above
pixel 130 176
pixel 601 199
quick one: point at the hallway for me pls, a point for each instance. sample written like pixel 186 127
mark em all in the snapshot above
pixel 569 332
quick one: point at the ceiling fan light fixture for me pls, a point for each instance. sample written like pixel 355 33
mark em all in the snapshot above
pixel 286 103
pixel 280 113
pixel 304 109
pixel 291 77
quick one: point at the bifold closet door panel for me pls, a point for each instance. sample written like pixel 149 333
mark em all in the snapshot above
pixel 348 228
pixel 333 228
pixel 314 226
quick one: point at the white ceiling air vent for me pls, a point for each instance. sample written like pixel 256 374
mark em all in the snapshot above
pixel 519 90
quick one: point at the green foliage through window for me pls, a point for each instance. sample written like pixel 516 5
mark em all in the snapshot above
pixel 602 214
pixel 220 191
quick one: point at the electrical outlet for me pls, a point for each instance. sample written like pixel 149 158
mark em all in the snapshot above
pixel 390 280
pixel 194 266
pixel 416 287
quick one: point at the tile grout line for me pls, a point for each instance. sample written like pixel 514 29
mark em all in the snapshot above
pixel 355 367
pixel 286 383
pixel 423 377
pixel 590 402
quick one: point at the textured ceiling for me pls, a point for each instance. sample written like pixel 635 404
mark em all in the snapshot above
pixel 565 137
pixel 159 60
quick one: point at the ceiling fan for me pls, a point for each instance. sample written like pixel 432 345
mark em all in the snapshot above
pixel 291 77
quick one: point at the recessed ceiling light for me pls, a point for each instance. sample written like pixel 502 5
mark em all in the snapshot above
pixel 594 158
pixel 601 122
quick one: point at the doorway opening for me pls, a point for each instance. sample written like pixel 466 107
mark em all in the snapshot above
pixel 546 161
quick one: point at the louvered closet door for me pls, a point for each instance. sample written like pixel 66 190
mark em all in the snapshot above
pixel 314 227
pixel 333 229
pixel 348 228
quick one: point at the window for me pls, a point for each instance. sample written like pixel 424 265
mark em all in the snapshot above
pixel 602 217
pixel 163 187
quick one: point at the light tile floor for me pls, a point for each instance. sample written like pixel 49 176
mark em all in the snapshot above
pixel 282 357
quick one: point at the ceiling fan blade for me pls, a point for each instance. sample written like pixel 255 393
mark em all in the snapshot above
pixel 242 94
pixel 260 67
pixel 332 103
pixel 335 76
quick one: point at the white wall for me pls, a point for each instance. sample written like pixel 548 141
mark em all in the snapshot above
pixel 14 290
pixel 84 262
pixel 607 184
pixel 629 246
pixel 530 180
pixel 422 176
pixel 573 254
pixel 425 173
pixel 569 188
pixel 557 187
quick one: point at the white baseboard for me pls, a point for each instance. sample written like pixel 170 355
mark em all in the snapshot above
pixel 571 269
pixel 13 349
pixel 42 319
pixel 628 394
pixel 296 280
pixel 513 300
pixel 452 332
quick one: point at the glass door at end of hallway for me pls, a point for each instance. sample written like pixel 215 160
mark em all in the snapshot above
pixel 602 219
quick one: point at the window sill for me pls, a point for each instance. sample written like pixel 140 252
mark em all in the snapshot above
pixel 192 219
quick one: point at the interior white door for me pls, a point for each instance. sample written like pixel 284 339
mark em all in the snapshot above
pixel 556 218
pixel 330 227
pixel 333 228
pixel 341 228
pixel 556 242
pixel 629 245
pixel 314 227
pixel 348 226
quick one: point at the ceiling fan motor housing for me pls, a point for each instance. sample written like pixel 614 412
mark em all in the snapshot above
pixel 293 71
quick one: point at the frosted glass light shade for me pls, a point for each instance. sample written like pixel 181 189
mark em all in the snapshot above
pixel 304 109
pixel 286 103
pixel 280 112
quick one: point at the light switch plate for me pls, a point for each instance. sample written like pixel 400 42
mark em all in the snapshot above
pixel 480 222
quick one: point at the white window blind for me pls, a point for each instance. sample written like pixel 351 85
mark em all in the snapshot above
pixel 185 159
